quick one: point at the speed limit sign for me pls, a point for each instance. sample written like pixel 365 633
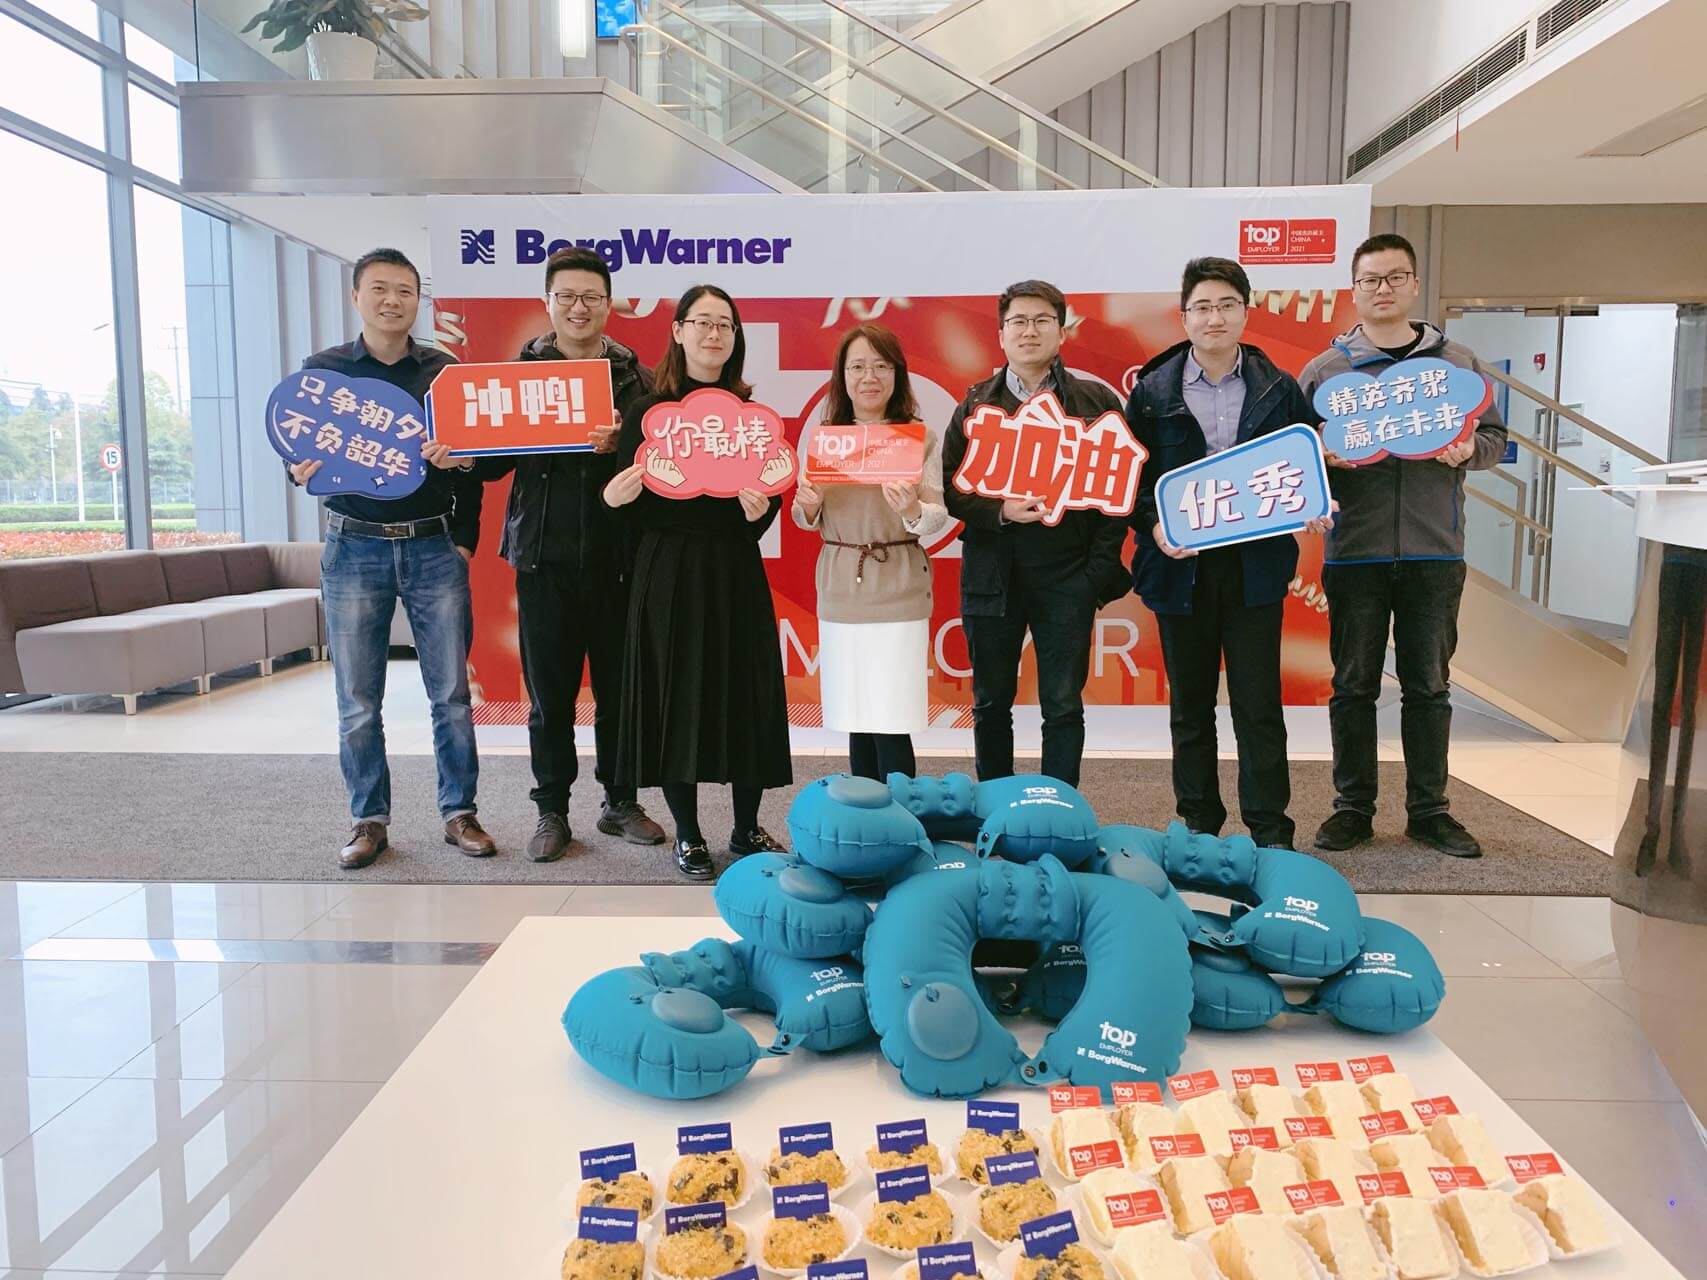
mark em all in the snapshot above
pixel 111 457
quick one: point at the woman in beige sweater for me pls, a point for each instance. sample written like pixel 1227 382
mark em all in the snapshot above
pixel 874 579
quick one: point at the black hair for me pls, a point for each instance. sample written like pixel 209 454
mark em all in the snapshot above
pixel 393 257
pixel 1033 289
pixel 671 376
pixel 1223 269
pixel 1381 244
pixel 577 259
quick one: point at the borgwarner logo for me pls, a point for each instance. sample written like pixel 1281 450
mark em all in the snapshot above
pixel 653 246
pixel 479 247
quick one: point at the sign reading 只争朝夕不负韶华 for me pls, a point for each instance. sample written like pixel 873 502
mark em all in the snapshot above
pixel 1414 409
pixel 1041 452
pixel 865 453
pixel 544 406
pixel 714 444
pixel 1275 484
pixel 366 433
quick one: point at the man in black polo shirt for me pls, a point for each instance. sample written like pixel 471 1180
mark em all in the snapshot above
pixel 416 548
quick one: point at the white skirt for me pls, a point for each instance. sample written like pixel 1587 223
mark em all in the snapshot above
pixel 871 676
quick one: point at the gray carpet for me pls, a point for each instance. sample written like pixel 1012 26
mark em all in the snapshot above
pixel 89 816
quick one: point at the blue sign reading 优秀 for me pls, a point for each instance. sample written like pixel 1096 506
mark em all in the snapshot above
pixel 992 1117
pixel 808 1200
pixel 903 1135
pixel 1046 1237
pixel 1413 409
pixel 945 1261
pixel 1272 485
pixel 704 1139
pixel 851 1269
pixel 695 1217
pixel 903 1184
pixel 805 1139
pixel 608 1162
pixel 610 1226
pixel 1021 1166
pixel 365 433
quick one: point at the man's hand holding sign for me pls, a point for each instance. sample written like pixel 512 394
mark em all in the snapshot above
pixel 347 435
pixel 1274 484
pixel 546 406
pixel 1413 410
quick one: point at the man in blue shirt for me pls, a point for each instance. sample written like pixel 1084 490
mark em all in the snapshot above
pixel 416 548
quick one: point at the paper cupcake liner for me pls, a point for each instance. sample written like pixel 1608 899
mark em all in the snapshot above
pixel 956 1204
pixel 1074 1198
pixel 1007 1261
pixel 646 1249
pixel 850 1225
pixel 1045 1161
pixel 753 1175
pixel 978 1218
pixel 856 1179
pixel 571 1189
pixel 945 1158
pixel 1385 1258
pixel 1534 1236
pixel 1202 1265
pixel 1446 1234
pixel 1553 1250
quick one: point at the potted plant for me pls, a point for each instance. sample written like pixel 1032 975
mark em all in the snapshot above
pixel 342 35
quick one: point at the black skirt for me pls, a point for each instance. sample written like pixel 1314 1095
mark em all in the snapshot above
pixel 703 698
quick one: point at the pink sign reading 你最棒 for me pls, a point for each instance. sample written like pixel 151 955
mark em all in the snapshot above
pixel 713 444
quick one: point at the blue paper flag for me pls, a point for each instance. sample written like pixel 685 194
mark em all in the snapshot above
pixel 366 432
pixel 1413 409
pixel 1275 484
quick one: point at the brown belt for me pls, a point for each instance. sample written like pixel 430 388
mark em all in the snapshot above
pixel 878 551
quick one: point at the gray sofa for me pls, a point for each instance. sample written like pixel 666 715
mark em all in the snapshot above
pixel 129 622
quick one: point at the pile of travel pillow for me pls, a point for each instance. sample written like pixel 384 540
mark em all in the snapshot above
pixel 996 898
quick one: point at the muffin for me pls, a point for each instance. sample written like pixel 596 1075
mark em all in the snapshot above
pixel 975 1144
pixel 908 1224
pixel 632 1190
pixel 1075 1262
pixel 702 1178
pixel 793 1243
pixel 702 1252
pixel 1002 1209
pixel 925 1153
pixel 796 1169
pixel 597 1260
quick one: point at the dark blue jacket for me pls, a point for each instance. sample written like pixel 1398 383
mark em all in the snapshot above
pixel 1157 413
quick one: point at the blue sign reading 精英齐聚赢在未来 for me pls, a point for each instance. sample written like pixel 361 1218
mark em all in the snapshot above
pixel 1414 409
pixel 366 433
pixel 1275 484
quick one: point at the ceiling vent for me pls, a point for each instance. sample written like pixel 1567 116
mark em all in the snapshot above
pixel 1494 66
pixel 1554 22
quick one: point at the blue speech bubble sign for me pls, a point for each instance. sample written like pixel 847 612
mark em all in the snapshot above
pixel 1414 409
pixel 1272 485
pixel 366 432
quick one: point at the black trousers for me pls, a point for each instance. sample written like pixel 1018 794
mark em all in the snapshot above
pixel 1418 600
pixel 1059 612
pixel 1221 626
pixel 565 623
pixel 877 755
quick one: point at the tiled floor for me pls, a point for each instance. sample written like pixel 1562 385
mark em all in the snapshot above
pixel 153 1114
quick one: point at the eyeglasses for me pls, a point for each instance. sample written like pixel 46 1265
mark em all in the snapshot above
pixel 1019 324
pixel 590 301
pixel 859 368
pixel 1226 307
pixel 1394 280
pixel 707 326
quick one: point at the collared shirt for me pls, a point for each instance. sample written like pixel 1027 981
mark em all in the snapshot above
pixel 442 494
pixel 1215 405
pixel 1018 388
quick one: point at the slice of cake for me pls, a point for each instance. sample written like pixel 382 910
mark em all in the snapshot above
pixel 1413 1155
pixel 1185 1182
pixel 1488 1229
pixel 1150 1252
pixel 1210 1116
pixel 1268 1106
pixel 1097 1186
pixel 1342 1239
pixel 1392 1092
pixel 1078 1127
pixel 1568 1211
pixel 1463 1141
pixel 1250 1246
pixel 1341 1102
pixel 1411 1232
pixel 1334 1161
pixel 1138 1122
pixel 1268 1174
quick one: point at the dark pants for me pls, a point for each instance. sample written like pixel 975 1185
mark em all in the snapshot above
pixel 1418 599
pixel 1059 613
pixel 1193 645
pixel 563 623
pixel 877 755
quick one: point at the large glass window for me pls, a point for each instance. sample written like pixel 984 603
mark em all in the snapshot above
pixel 57 368
pixel 48 83
pixel 154 134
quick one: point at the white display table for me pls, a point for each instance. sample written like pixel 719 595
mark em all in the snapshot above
pixel 454 1169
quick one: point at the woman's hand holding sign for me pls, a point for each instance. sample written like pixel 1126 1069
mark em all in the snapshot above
pixel 808 499
pixel 753 504
pixel 903 498
pixel 624 487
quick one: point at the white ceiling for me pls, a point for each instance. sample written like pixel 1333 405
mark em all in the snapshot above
pixel 1525 142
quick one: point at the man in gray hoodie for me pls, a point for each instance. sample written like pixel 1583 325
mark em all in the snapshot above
pixel 1395 557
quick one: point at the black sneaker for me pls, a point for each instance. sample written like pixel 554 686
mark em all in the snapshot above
pixel 1344 829
pixel 627 819
pixel 550 838
pixel 693 859
pixel 758 840
pixel 1443 832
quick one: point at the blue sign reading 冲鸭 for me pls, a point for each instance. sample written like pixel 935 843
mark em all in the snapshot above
pixel 1413 409
pixel 1274 484
pixel 366 433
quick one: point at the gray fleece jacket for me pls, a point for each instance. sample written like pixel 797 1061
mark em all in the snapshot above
pixel 1397 509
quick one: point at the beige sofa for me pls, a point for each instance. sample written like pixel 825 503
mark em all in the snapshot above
pixel 130 622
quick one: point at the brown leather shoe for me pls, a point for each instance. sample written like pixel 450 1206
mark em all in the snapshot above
pixel 367 842
pixel 466 833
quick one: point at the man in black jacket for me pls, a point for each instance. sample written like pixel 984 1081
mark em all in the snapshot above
pixel 1204 395
pixel 1019 574
pixel 571 569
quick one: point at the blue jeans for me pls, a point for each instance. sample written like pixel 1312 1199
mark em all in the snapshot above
pixel 361 580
